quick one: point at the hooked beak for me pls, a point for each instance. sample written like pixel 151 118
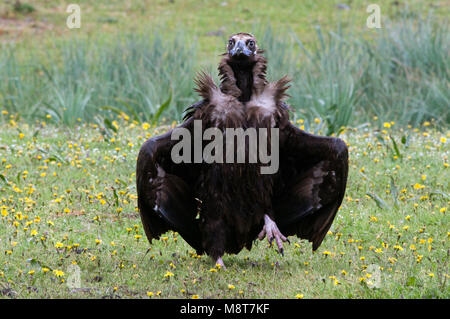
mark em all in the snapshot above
pixel 240 49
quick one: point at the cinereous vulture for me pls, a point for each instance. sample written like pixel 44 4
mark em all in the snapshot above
pixel 222 207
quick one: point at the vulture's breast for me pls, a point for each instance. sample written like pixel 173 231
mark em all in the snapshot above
pixel 232 192
pixel 262 110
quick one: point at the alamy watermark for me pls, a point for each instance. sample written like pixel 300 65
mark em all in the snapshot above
pixel 374 19
pixel 374 280
pixel 74 19
pixel 233 140
pixel 74 278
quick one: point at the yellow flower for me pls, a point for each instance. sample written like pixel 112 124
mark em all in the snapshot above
pixel 149 293
pixel 299 296
pixel 45 269
pixel 58 273
pixel 168 274
pixel 387 125
pixel 195 297
pixel 231 287
pixel 443 140
pixel 392 260
pixel 59 245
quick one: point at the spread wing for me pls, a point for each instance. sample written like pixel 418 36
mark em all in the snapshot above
pixel 311 183
pixel 165 190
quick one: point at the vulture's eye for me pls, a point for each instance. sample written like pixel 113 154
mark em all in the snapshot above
pixel 251 43
pixel 230 42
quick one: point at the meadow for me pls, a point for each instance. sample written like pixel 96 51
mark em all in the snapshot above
pixel 76 105
pixel 342 72
pixel 68 198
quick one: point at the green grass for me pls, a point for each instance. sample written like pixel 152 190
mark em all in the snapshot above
pixel 341 78
pixel 63 189
pixel 198 17
pixel 137 56
pixel 67 187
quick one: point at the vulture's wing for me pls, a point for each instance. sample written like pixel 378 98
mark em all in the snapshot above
pixel 310 185
pixel 165 190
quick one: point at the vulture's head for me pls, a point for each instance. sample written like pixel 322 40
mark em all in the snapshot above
pixel 242 47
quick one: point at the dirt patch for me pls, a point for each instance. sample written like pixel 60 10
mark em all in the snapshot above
pixel 13 27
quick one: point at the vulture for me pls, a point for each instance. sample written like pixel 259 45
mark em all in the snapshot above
pixel 223 206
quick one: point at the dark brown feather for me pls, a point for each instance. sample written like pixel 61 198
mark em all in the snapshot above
pixel 303 197
pixel 311 184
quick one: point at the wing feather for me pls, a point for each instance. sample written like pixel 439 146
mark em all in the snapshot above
pixel 311 184
pixel 165 199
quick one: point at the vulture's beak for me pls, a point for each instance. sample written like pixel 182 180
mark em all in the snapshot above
pixel 240 49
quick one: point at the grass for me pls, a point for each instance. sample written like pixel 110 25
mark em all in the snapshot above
pixel 342 79
pixel 200 17
pixel 75 106
pixel 68 197
pixel 133 73
pixel 137 56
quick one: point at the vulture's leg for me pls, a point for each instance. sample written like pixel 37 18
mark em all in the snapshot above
pixel 213 237
pixel 271 231
pixel 219 261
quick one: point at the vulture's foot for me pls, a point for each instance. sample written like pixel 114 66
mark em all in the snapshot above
pixel 271 231
pixel 219 262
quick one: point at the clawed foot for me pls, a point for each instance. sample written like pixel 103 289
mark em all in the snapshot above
pixel 219 262
pixel 271 231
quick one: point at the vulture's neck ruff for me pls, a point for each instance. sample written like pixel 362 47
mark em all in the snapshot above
pixel 242 78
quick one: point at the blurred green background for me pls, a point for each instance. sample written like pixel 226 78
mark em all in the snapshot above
pixel 139 57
